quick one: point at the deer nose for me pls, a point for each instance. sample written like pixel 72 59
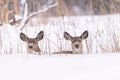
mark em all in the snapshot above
pixel 30 47
pixel 77 46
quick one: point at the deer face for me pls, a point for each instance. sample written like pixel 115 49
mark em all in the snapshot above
pixel 76 41
pixel 32 42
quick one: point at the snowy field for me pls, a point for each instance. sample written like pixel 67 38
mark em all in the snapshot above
pixel 99 60
pixel 60 67
pixel 104 34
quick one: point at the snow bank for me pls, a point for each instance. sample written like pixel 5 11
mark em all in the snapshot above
pixel 60 67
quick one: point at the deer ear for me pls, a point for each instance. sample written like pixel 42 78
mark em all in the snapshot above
pixel 40 35
pixel 84 35
pixel 67 36
pixel 23 37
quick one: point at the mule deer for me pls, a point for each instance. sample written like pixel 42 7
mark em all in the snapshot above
pixel 32 42
pixel 76 43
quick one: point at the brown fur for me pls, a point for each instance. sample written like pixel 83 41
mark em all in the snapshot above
pixel 63 52
pixel 32 42
pixel 76 43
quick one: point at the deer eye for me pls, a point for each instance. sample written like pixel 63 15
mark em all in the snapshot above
pixel 34 42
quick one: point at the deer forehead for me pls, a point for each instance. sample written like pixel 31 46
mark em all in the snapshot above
pixel 76 40
pixel 32 40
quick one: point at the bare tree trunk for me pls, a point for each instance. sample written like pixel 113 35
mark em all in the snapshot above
pixel 91 7
pixel 0 43
pixel 16 7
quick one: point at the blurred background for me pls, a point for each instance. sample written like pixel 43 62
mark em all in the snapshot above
pixel 9 8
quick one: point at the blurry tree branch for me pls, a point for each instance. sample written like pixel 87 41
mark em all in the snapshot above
pixel 24 20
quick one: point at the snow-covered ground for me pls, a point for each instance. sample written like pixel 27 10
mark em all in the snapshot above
pixel 60 67
pixel 93 64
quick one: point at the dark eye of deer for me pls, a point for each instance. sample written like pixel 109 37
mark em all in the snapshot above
pixel 30 47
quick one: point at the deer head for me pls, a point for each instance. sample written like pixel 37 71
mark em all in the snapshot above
pixel 76 41
pixel 32 42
